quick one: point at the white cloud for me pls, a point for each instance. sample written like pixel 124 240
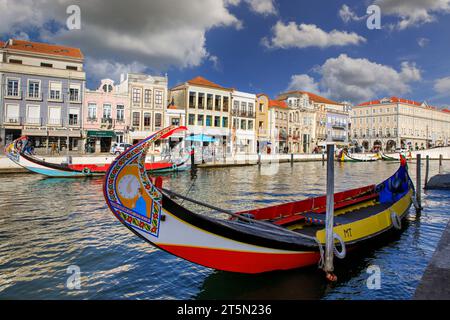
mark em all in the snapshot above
pixel 292 35
pixel 303 82
pixel 442 86
pixel 158 33
pixel 423 42
pixel 101 69
pixel 347 15
pixel 414 12
pixel 264 7
pixel 356 80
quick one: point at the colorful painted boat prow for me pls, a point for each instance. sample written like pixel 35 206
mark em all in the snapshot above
pixel 279 237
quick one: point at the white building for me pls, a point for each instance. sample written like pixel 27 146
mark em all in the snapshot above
pixel 243 122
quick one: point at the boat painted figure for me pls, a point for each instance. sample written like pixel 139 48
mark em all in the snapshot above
pixel 17 152
pixel 279 237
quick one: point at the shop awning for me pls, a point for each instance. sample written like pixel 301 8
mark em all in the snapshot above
pixel 101 134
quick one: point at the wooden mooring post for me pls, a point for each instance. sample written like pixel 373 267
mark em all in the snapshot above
pixel 418 182
pixel 292 159
pixel 427 171
pixel 323 158
pixel 440 163
pixel 329 220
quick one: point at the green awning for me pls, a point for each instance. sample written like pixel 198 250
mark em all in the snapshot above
pixel 101 134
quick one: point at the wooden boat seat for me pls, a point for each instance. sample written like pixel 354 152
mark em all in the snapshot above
pixel 346 203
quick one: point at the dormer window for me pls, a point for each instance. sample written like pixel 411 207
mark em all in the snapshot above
pixel 107 88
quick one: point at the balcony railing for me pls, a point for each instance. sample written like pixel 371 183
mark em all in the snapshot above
pixel 338 138
pixel 13 94
pixel 107 120
pixel 34 121
pixel 54 122
pixel 13 120
pixel 34 96
pixel 339 126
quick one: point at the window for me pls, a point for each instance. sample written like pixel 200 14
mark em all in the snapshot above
pixel 209 102
pixel 74 68
pixel 218 103
pixel 201 101
pixel 46 65
pixel 12 113
pixel 136 119
pixel 191 121
pixel 73 116
pixel 158 120
pixel 243 125
pixel 216 121
pixel 148 96
pixel 55 90
pixel 200 120
pixel 244 108
pixel 235 107
pixel 74 93
pixel 261 107
pixel 208 121
pixel 106 111
pixel 235 123
pixel 92 111
pixel 192 98
pixel 107 88
pixel 15 61
pixel 250 125
pixel 33 114
pixel 175 121
pixel 250 109
pixel 225 122
pixel 225 104
pixel 120 110
pixel 147 120
pixel 158 97
pixel 34 89
pixel 136 95
pixel 54 115
pixel 13 88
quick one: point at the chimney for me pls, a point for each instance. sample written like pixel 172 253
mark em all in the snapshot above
pixel 11 42
pixel 122 77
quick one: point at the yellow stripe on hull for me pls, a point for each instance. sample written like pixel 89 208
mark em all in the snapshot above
pixel 369 226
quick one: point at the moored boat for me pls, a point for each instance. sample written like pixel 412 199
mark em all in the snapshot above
pixel 345 156
pixel 280 237
pixel 17 152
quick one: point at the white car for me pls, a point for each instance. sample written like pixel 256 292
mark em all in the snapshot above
pixel 118 148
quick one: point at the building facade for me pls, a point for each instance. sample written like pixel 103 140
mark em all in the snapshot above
pixel 106 117
pixel 278 126
pixel 337 128
pixel 243 118
pixel 262 130
pixel 207 106
pixel 42 94
pixel 148 97
pixel 394 122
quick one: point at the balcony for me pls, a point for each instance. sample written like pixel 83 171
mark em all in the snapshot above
pixel 339 126
pixel 13 94
pixel 13 121
pixel 92 119
pixel 34 96
pixel 74 123
pixel 54 122
pixel 34 121
pixel 338 138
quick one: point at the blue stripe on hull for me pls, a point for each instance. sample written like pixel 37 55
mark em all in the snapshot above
pixel 55 173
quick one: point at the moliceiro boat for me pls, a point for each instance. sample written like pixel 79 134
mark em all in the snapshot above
pixel 345 156
pixel 280 237
pixel 395 157
pixel 17 152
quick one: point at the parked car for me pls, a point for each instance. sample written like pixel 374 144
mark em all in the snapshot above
pixel 118 148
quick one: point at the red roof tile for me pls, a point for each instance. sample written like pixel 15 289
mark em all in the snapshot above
pixel 1 44
pixel 45 48
pixel 398 100
pixel 314 97
pixel 200 81
pixel 277 104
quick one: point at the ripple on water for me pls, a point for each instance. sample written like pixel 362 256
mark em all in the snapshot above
pixel 47 225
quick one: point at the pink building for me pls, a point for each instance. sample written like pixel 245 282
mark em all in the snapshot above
pixel 105 117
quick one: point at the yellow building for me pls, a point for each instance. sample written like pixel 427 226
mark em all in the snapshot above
pixel 391 123
pixel 262 122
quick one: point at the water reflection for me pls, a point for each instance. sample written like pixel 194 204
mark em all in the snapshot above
pixel 47 225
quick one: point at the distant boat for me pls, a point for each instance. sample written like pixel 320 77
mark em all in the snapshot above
pixel 385 157
pixel 280 237
pixel 345 156
pixel 16 151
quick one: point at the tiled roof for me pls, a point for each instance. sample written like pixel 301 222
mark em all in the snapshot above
pixel 314 97
pixel 277 104
pixel 1 44
pixel 45 48
pixel 396 100
pixel 200 81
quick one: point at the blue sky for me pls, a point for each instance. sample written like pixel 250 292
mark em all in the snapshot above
pixel 223 40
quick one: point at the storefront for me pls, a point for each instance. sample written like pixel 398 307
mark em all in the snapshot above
pixel 45 140
pixel 99 140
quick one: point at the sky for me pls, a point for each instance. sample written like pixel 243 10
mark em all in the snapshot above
pixel 257 46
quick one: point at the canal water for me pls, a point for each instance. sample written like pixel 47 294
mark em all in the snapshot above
pixel 47 225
